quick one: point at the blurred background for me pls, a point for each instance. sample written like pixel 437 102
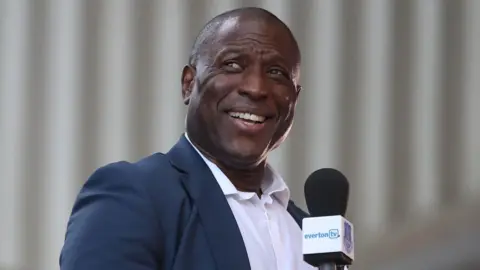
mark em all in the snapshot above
pixel 391 98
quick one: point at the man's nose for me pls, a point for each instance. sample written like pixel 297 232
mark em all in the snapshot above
pixel 254 87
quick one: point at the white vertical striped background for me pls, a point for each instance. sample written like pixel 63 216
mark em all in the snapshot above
pixel 85 83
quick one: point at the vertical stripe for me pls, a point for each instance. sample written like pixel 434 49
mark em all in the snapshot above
pixel 14 34
pixel 142 83
pixel 400 99
pixel 115 90
pixel 425 101
pixel 451 93
pixel 35 162
pixel 351 65
pixel 321 92
pixel 169 58
pixel 62 121
pixel 471 109
pixel 374 114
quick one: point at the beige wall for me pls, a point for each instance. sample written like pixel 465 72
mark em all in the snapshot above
pixel 391 94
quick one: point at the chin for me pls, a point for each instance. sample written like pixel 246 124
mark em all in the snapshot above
pixel 245 157
pixel 243 151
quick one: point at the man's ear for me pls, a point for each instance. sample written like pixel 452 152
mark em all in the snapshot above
pixel 298 90
pixel 188 79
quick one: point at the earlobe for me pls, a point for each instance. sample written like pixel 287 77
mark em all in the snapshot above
pixel 299 88
pixel 188 76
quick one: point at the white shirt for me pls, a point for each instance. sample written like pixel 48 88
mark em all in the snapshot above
pixel 271 236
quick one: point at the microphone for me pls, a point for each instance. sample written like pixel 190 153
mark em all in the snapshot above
pixel 327 235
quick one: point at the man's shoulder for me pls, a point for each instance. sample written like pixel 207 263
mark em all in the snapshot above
pixel 150 171
pixel 145 165
pixel 152 163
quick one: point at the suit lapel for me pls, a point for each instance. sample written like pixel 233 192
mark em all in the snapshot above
pixel 297 213
pixel 223 234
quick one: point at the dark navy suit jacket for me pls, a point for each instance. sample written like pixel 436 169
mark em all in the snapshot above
pixel 164 212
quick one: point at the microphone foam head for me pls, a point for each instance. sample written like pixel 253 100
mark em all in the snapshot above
pixel 326 193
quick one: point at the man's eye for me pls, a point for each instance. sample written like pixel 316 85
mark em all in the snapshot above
pixel 233 65
pixel 277 72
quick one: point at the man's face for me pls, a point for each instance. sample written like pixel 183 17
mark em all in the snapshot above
pixel 243 93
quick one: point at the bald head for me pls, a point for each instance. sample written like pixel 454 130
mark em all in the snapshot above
pixel 208 34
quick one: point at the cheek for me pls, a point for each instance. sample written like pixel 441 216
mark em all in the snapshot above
pixel 222 86
pixel 287 104
pixel 287 113
pixel 225 83
pixel 211 93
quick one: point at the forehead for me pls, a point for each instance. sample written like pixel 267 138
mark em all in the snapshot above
pixel 256 32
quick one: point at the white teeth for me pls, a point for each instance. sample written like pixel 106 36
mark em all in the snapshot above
pixel 247 116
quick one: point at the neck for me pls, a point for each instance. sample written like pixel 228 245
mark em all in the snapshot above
pixel 245 180
pixel 248 180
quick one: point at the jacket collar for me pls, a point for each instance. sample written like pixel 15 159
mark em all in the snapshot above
pixel 222 231
pixel 221 228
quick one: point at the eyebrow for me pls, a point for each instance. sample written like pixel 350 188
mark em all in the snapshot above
pixel 269 54
pixel 230 49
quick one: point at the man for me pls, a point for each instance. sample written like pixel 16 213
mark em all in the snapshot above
pixel 212 201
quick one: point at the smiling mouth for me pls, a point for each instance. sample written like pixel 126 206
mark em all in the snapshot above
pixel 248 117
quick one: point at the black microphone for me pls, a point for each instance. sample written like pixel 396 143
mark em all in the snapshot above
pixel 327 235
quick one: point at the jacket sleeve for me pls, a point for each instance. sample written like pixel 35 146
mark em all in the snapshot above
pixel 113 224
